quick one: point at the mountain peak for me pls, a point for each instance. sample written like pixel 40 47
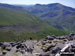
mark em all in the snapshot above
pixel 49 5
pixel 38 4
pixel 54 4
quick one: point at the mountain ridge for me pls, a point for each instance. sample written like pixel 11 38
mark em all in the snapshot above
pixel 19 24
pixel 57 15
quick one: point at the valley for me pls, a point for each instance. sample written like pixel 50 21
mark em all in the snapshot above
pixel 37 30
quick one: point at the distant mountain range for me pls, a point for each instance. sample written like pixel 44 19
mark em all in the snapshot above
pixel 57 15
pixel 18 24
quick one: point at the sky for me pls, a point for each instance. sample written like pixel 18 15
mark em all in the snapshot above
pixel 70 3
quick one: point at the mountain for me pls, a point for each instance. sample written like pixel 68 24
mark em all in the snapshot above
pixel 57 15
pixel 18 24
pixel 13 7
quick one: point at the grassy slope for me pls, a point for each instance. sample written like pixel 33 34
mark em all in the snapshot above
pixel 10 17
pixel 57 15
pixel 31 26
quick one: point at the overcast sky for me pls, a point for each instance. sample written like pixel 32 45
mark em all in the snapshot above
pixel 70 3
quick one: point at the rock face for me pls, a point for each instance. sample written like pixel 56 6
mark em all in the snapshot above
pixel 48 46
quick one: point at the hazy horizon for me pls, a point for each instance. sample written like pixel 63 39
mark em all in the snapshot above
pixel 70 3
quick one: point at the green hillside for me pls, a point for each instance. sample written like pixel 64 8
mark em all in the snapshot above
pixel 20 25
pixel 12 17
pixel 57 15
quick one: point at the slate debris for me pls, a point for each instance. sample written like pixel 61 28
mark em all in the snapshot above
pixel 48 46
